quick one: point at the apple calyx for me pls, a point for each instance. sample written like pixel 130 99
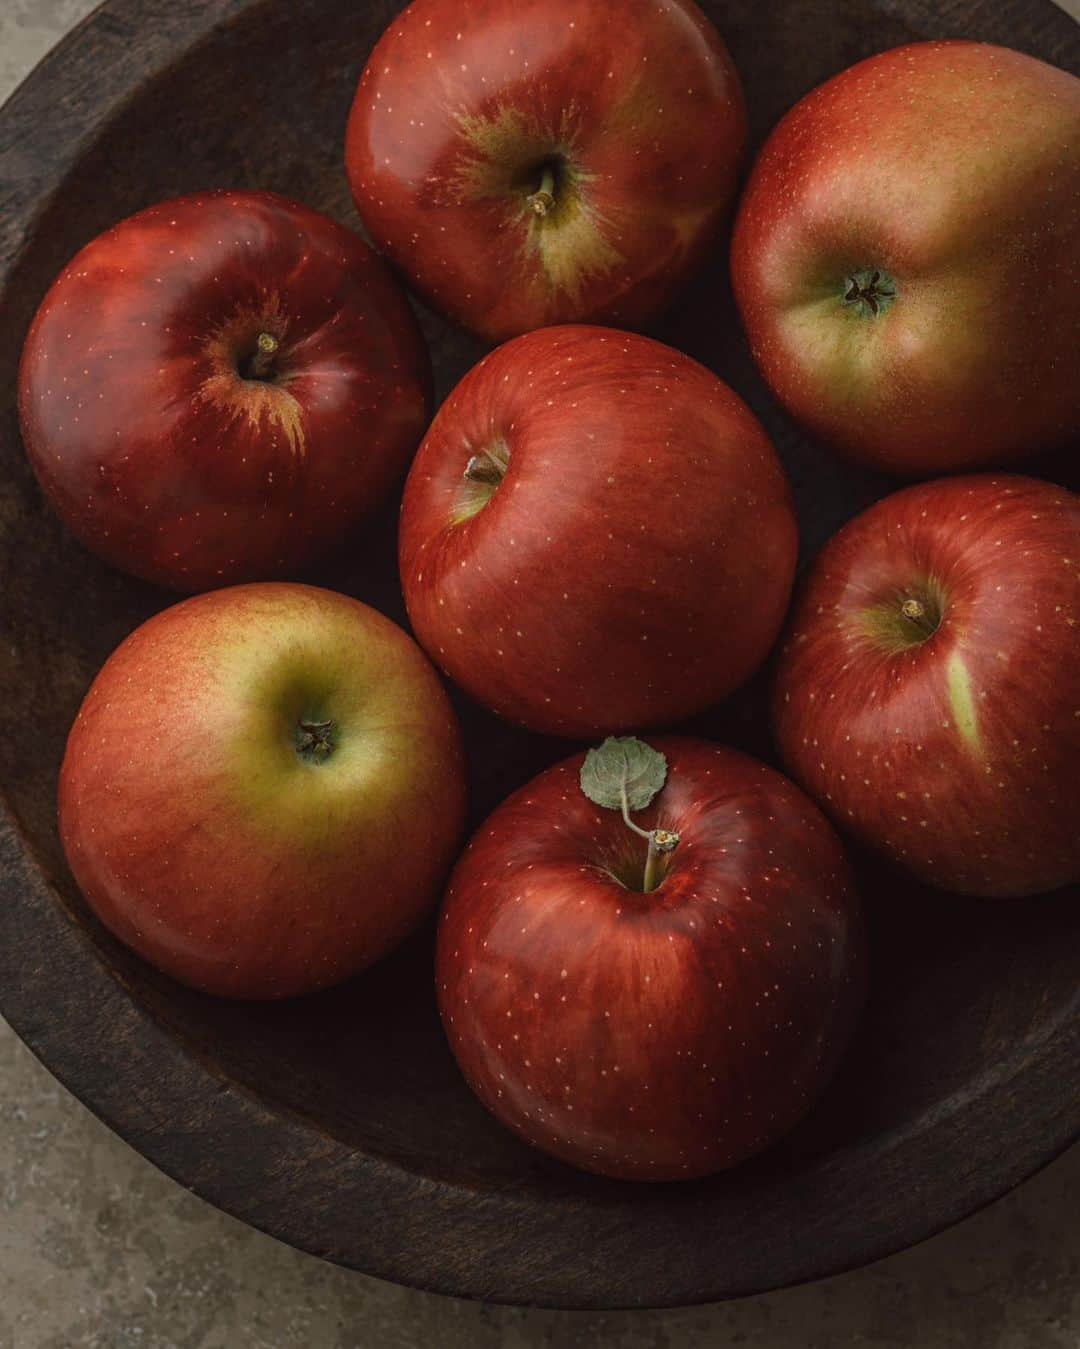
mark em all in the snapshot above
pixel 260 364
pixel 315 739
pixel 625 774
pixel 871 290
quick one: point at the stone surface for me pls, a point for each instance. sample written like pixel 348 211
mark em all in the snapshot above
pixel 98 1249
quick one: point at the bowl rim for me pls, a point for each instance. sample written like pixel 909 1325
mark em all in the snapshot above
pixel 283 1174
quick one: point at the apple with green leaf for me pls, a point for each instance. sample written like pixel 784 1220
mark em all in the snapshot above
pixel 263 789
pixel 546 161
pixel 650 958
pixel 928 687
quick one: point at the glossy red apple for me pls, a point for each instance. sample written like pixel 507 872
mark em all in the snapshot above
pixel 928 692
pixel 263 790
pixel 661 1033
pixel 221 388
pixel 905 258
pixel 596 534
pixel 526 162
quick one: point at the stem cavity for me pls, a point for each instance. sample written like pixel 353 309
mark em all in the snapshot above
pixel 484 472
pixel 907 617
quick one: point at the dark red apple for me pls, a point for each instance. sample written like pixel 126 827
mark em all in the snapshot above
pixel 651 1033
pixel 905 258
pixel 263 790
pixel 928 692
pixel 220 388
pixel 527 162
pixel 596 534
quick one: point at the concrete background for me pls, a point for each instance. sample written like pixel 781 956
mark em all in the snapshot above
pixel 99 1250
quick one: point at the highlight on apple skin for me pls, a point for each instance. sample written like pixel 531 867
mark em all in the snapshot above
pixel 527 162
pixel 263 790
pixel 928 686
pixel 596 534
pixel 663 1026
pixel 221 388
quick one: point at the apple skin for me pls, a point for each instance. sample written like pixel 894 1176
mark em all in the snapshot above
pixel 956 755
pixel 634 564
pixel 954 168
pixel 155 451
pixel 463 102
pixel 652 1036
pixel 202 835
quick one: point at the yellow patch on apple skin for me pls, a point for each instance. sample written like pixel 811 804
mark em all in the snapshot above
pixel 230 344
pixel 575 252
pixel 571 241
pixel 497 147
pixel 965 716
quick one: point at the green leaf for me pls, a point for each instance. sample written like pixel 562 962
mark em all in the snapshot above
pixel 623 762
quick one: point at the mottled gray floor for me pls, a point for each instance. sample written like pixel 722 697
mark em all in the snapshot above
pixel 99 1250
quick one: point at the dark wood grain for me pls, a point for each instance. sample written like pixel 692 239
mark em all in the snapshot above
pixel 340 1123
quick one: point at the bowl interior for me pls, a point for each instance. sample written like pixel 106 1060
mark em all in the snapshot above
pixel 963 990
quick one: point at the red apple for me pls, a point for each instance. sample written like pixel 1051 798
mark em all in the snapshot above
pixel 596 534
pixel 527 162
pixel 905 257
pixel 651 1033
pixel 220 388
pixel 928 692
pixel 263 789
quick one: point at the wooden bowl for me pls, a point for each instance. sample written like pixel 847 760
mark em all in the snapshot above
pixel 339 1123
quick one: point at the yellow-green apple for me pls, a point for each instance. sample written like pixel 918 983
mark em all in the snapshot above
pixel 263 789
pixel 905 258
pixel 596 534
pixel 928 690
pixel 546 161
pixel 221 388
pixel 651 979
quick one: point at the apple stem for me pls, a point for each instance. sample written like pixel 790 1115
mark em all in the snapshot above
pixel 661 843
pixel 915 612
pixel 485 468
pixel 641 833
pixel 266 345
pixel 542 201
